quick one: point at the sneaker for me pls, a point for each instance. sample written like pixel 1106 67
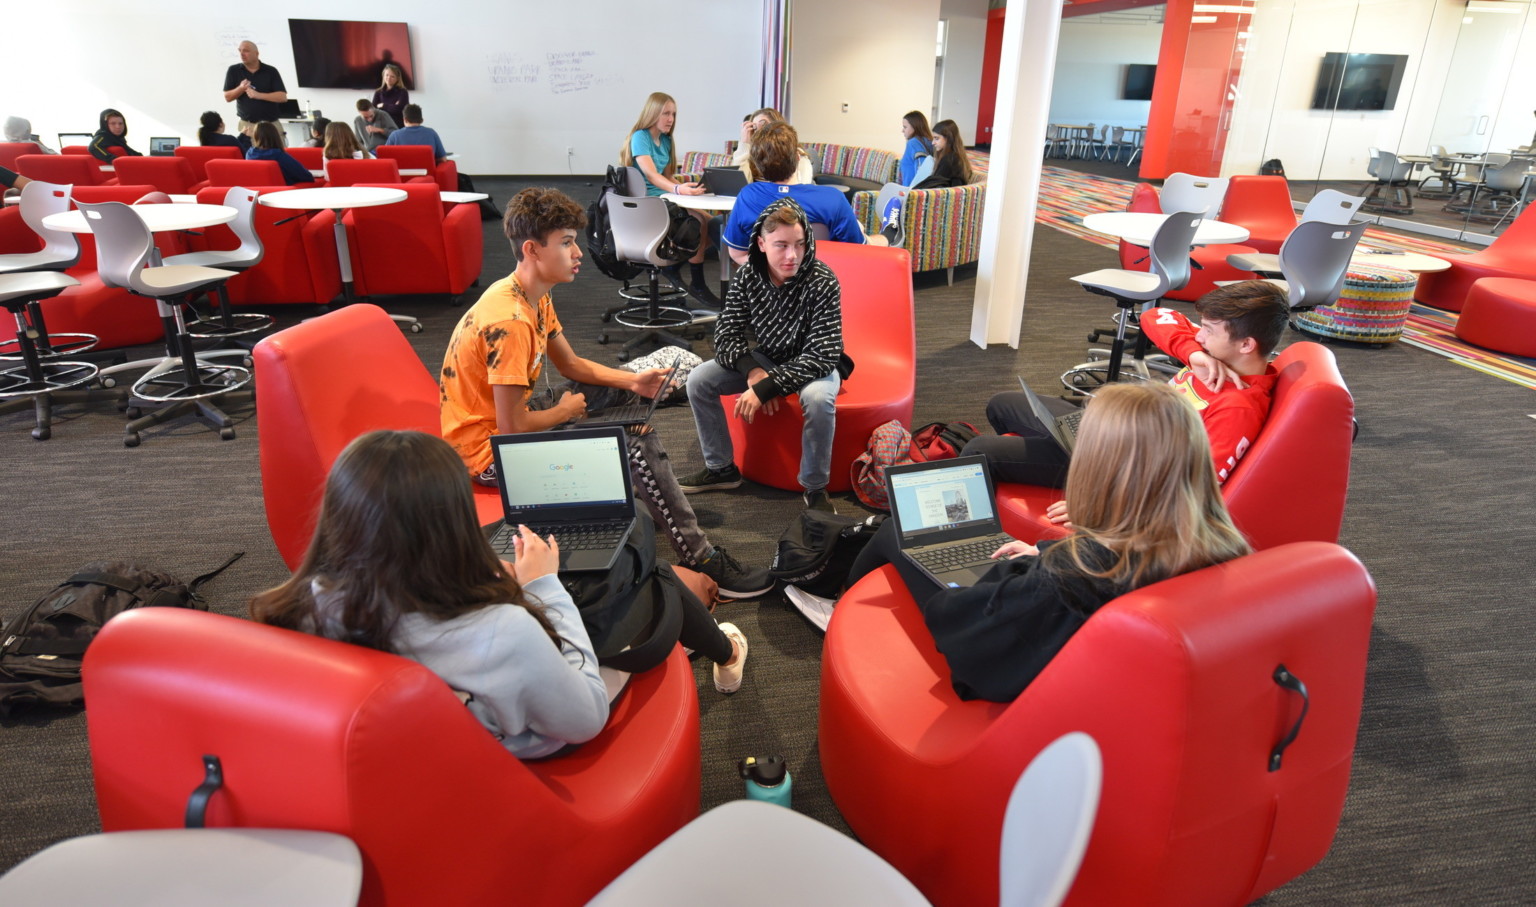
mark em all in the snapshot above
pixel 487 478
pixel 818 500
pixel 708 479
pixel 735 581
pixel 703 294
pixel 728 678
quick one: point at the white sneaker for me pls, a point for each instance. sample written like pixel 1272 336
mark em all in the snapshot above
pixel 728 679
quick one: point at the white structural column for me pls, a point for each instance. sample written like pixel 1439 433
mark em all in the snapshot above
pixel 1024 77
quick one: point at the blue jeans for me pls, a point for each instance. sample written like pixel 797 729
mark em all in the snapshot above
pixel 818 400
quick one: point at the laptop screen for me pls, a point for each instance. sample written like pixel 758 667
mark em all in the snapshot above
pixel 163 145
pixel 937 499
pixel 565 475
pixel 74 138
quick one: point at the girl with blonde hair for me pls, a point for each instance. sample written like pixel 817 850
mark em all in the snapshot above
pixel 652 150
pixel 1145 507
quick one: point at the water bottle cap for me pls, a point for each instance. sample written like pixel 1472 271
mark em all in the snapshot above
pixel 766 772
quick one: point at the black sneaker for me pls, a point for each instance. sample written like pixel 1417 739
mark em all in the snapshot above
pixel 735 580
pixel 708 479
pixel 818 500
pixel 487 478
pixel 703 294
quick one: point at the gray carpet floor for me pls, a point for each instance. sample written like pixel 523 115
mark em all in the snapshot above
pixel 1441 503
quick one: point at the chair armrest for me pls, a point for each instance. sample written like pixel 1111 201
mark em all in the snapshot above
pixel 464 245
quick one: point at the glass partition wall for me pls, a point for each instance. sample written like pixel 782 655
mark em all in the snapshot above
pixel 1445 87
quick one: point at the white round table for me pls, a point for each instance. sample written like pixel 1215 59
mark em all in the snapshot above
pixel 1412 262
pixel 460 198
pixel 701 202
pixel 158 218
pixel 337 199
pixel 1138 228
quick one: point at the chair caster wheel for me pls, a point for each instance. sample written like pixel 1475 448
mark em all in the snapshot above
pixel 42 434
pixel 623 357
pixel 416 328
pixel 602 338
pixel 133 412
pixel 1093 338
pixel 108 381
pixel 227 434
pixel 131 439
pixel 607 317
pixel 456 300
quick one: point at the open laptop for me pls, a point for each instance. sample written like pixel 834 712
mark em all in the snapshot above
pixel 945 518
pixel 1062 428
pixel 74 138
pixel 163 145
pixel 724 180
pixel 630 414
pixel 573 485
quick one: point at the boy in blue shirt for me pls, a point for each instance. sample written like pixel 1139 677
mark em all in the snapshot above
pixel 413 133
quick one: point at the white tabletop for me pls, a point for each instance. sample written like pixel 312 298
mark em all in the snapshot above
pixel 184 199
pixel 459 198
pixel 332 197
pixel 702 202
pixel 1413 262
pixel 159 218
pixel 1138 227
pixel 414 171
pixel 13 199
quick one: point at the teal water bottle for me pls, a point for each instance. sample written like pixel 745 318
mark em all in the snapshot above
pixel 767 779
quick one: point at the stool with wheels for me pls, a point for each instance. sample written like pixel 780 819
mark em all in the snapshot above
pixel 35 378
pixel 225 325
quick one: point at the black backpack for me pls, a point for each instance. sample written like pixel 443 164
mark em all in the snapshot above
pixel 684 233
pixel 488 209
pixel 818 548
pixel 634 612
pixel 1272 167
pixel 42 648
pixel 600 246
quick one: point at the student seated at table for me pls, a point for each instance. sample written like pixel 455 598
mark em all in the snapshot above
pixel 317 129
pixel 755 123
pixel 917 153
pixel 651 148
pixel 19 129
pixel 372 125
pixel 111 138
pixel 1146 507
pixel 413 133
pixel 341 144
pixel 490 381
pixel 774 155
pixel 951 165
pixel 1226 378
pixel 210 131
pixel 398 563
pixel 267 145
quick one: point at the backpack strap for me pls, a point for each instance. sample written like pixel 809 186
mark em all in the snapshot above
pixel 647 653
pixel 197 583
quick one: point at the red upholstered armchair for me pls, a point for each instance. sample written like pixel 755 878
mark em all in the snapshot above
pixel 225 173
pixel 1263 205
pixel 326 736
pixel 1512 254
pixel 64 169
pixel 413 246
pixel 878 334
pixel 1290 486
pixel 311 158
pixel 10 151
pixel 1177 684
pixel 422 157
pixel 171 175
pixel 1212 260
pixel 322 383
pixel 350 173
pixel 299 258
pixel 199 156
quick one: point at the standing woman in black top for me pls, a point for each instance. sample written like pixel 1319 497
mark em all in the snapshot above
pixel 392 96
pixel 951 165
pixel 1145 506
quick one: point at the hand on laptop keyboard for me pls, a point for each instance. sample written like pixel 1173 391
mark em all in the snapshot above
pixel 536 557
pixel 1014 549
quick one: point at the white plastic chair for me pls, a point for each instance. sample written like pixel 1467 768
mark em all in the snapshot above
pixel 239 259
pixel 1197 194
pixel 1329 206
pixel 1049 820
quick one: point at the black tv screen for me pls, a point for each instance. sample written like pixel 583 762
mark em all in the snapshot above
pixel 333 54
pixel 1138 82
pixel 1358 81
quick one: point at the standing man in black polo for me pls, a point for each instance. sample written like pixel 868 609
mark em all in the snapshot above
pixel 256 89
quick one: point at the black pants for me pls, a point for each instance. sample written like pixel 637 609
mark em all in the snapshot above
pixel 885 548
pixel 1022 450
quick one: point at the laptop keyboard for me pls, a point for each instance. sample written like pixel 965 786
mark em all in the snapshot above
pixel 633 413
pixel 583 537
pixel 964 554
pixel 1069 422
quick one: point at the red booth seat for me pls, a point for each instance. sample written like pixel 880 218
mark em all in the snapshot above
pixel 422 157
pixel 1211 259
pixel 322 383
pixel 1176 684
pixel 878 334
pixel 325 736
pixel 343 172
pixel 10 151
pixel 64 169
pixel 171 175
pixel 1513 254
pixel 228 173
pixel 199 156
pixel 1290 486
pixel 413 246
pixel 298 261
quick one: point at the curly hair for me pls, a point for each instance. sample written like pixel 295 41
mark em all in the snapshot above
pixel 534 213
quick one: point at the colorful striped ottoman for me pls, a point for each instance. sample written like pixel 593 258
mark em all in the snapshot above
pixel 1372 308
pixel 1500 315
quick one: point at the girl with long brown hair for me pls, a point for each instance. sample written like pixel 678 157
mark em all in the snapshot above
pixel 398 563
pixel 951 165
pixel 1145 507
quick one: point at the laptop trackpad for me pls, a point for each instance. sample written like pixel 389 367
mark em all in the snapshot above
pixel 965 578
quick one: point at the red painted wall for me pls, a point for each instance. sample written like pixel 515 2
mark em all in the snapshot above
pixel 991 55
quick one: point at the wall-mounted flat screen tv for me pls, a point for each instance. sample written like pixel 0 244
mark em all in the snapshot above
pixel 1358 81
pixel 328 53
pixel 1138 82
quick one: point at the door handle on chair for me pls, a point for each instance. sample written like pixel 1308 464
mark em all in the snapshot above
pixel 197 804
pixel 1293 683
